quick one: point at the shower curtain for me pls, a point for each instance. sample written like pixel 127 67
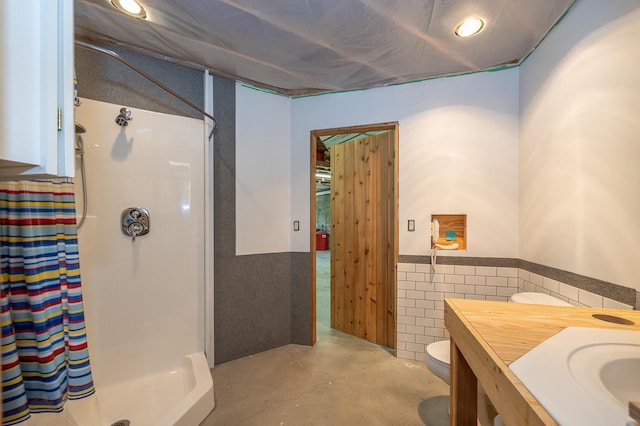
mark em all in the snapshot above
pixel 45 359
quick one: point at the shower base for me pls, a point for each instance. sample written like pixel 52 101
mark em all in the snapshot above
pixel 182 397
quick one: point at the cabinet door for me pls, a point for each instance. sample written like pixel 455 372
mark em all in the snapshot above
pixel 36 88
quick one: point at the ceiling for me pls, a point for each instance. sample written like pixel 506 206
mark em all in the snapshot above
pixel 301 47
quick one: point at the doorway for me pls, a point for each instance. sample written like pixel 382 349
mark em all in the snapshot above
pixel 358 167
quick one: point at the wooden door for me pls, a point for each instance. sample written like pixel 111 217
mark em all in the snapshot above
pixel 362 239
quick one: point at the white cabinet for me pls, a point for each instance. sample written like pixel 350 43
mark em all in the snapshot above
pixel 36 88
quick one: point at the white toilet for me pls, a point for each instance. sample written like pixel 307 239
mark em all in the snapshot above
pixel 537 299
pixel 439 359
pixel 439 353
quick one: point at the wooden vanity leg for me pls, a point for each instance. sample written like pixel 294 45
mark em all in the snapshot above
pixel 464 390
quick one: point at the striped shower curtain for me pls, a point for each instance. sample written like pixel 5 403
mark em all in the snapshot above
pixel 44 347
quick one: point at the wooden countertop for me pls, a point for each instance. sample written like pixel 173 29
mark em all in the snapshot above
pixel 487 336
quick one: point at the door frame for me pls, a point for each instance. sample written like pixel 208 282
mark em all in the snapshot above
pixel 314 135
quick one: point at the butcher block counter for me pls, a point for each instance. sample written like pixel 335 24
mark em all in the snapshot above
pixel 487 336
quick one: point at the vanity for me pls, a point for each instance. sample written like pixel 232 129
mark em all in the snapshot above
pixel 487 336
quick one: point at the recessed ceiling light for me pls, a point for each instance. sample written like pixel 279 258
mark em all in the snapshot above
pixel 130 7
pixel 469 27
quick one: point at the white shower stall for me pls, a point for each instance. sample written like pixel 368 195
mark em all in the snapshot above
pixel 144 299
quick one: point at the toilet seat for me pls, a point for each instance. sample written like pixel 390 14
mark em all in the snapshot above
pixel 537 299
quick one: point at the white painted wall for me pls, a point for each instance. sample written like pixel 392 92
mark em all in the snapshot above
pixel 458 151
pixel 580 152
pixel 541 158
pixel 263 172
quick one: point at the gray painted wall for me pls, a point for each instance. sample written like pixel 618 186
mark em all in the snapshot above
pixel 300 263
pixel 260 301
pixel 103 78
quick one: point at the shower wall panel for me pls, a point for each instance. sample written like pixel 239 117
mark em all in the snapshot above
pixel 141 297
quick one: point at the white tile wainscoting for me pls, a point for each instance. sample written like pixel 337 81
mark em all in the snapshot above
pixel 421 294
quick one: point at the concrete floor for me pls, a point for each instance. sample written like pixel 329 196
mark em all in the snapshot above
pixel 342 380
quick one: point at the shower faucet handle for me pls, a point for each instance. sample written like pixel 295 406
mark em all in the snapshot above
pixel 135 222
pixel 136 228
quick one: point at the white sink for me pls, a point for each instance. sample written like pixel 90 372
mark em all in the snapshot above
pixel 609 369
pixel 584 376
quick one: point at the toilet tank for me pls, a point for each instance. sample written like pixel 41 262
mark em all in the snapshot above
pixel 537 299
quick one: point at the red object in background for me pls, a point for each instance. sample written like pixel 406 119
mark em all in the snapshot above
pixel 322 240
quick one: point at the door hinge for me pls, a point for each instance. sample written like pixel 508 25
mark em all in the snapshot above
pixel 59 119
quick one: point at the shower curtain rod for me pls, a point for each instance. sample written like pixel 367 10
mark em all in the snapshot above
pixel 151 79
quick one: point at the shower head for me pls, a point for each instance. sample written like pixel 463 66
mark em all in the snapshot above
pixel 124 117
pixel 80 129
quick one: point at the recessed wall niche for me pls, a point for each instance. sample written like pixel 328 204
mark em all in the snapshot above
pixel 452 229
